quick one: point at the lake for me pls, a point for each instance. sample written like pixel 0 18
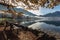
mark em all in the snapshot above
pixel 48 24
pixel 45 26
pixel 53 26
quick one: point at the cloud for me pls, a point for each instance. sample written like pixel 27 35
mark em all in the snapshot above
pixel 37 12
pixel 44 10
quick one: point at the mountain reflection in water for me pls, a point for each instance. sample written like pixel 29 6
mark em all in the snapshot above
pixel 42 25
pixel 46 26
pixel 56 23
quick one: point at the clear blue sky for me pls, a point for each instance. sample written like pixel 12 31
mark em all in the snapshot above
pixel 47 10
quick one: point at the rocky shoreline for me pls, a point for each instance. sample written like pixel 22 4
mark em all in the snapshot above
pixel 25 33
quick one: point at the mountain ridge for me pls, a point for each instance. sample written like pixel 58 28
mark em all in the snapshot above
pixel 54 14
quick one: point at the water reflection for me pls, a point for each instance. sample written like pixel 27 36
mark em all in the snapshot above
pixel 25 22
pixel 46 26
pixel 42 25
pixel 56 23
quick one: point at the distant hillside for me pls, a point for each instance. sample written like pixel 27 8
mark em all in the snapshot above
pixel 24 11
pixel 5 15
pixel 54 14
pixel 18 10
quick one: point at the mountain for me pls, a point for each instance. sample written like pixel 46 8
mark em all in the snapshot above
pixel 54 14
pixel 24 11
pixel 18 10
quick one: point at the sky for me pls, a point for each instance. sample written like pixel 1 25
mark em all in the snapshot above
pixel 47 10
pixel 43 11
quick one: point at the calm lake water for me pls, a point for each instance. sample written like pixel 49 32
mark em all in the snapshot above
pixel 53 26
pixel 45 26
pixel 48 24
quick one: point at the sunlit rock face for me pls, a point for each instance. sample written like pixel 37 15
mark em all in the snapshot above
pixel 33 4
pixel 8 2
pixel 22 3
